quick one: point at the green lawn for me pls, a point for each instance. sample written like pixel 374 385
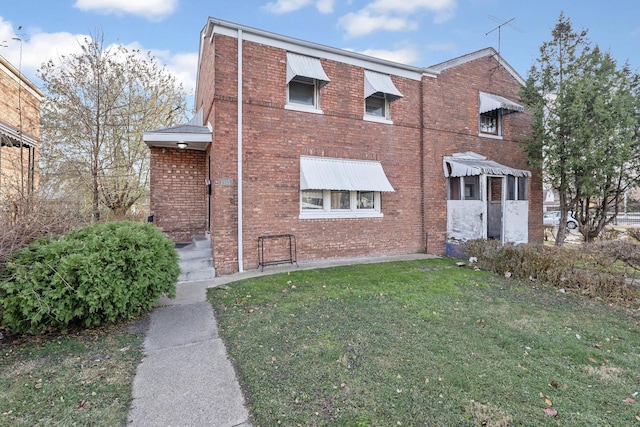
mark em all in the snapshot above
pixel 426 343
pixel 83 378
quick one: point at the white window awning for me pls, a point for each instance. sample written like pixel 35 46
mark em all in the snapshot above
pixel 378 82
pixel 490 102
pixel 14 137
pixel 325 173
pixel 305 66
pixel 470 164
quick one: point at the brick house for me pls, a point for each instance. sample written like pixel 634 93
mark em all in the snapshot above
pixel 19 132
pixel 353 156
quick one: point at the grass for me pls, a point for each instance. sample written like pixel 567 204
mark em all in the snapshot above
pixel 426 343
pixel 82 378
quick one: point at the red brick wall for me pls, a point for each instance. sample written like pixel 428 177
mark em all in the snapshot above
pixel 275 138
pixel 436 117
pixel 178 202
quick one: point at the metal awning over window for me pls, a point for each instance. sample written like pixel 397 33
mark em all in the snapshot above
pixel 10 136
pixel 470 164
pixel 490 102
pixel 305 66
pixel 324 173
pixel 378 82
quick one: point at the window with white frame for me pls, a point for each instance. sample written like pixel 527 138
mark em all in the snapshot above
pixel 377 105
pixel 464 188
pixel 492 109
pixel 305 77
pixel 379 93
pixel 331 202
pixel 517 188
pixel 304 91
pixel 491 122
pixel 341 188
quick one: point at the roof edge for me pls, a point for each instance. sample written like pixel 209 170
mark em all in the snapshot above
pixel 482 53
pixel 212 23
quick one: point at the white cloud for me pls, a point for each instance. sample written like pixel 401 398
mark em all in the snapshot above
pixel 364 22
pixel 394 15
pixel 150 9
pixel 325 6
pixel 39 47
pixel 406 55
pixel 285 6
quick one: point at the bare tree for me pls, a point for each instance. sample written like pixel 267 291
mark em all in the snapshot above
pixel 99 103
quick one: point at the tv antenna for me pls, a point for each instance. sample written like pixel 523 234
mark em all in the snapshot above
pixel 502 23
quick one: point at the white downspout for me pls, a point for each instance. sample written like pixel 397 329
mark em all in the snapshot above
pixel 240 245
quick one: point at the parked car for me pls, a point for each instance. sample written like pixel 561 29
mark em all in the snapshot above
pixel 553 218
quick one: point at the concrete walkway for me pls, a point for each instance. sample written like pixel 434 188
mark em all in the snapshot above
pixel 186 378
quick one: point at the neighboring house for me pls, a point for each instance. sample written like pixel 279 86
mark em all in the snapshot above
pixel 352 155
pixel 19 133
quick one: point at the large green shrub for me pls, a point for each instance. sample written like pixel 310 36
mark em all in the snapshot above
pixel 94 275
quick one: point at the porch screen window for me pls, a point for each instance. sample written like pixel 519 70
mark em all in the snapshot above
pixel 492 108
pixel 470 186
pixel 379 93
pixel 517 188
pixel 341 188
pixel 305 77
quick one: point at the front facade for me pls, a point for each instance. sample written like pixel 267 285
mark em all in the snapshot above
pixel 19 133
pixel 352 155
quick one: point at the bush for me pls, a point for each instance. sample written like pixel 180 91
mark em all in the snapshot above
pixel 94 275
pixel 596 270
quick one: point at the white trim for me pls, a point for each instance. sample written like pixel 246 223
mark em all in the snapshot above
pixel 240 231
pixel 303 108
pixel 490 135
pixel 307 48
pixel 376 119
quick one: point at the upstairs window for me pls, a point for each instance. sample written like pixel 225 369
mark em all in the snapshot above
pixel 303 90
pixel 305 77
pixel 379 93
pixel 491 111
pixel 490 122
pixel 376 105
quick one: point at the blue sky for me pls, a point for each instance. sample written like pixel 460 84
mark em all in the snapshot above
pixel 416 32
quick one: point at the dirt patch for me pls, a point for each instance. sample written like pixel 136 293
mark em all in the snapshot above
pixel 488 415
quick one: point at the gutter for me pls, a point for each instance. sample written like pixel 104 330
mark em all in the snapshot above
pixel 240 242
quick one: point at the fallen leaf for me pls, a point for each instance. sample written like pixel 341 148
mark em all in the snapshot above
pixel 550 412
pixel 630 400
pixel 592 360
pixel 84 404
pixel 554 384
pixel 598 345
pixel 548 402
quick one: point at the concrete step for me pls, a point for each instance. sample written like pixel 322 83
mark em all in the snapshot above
pixel 187 253
pixel 196 264
pixel 196 260
pixel 197 275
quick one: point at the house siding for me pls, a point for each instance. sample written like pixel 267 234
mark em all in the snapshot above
pixel 436 117
pixel 19 108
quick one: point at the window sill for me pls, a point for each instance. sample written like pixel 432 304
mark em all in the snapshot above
pixel 339 215
pixel 377 119
pixel 303 108
pixel 489 135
